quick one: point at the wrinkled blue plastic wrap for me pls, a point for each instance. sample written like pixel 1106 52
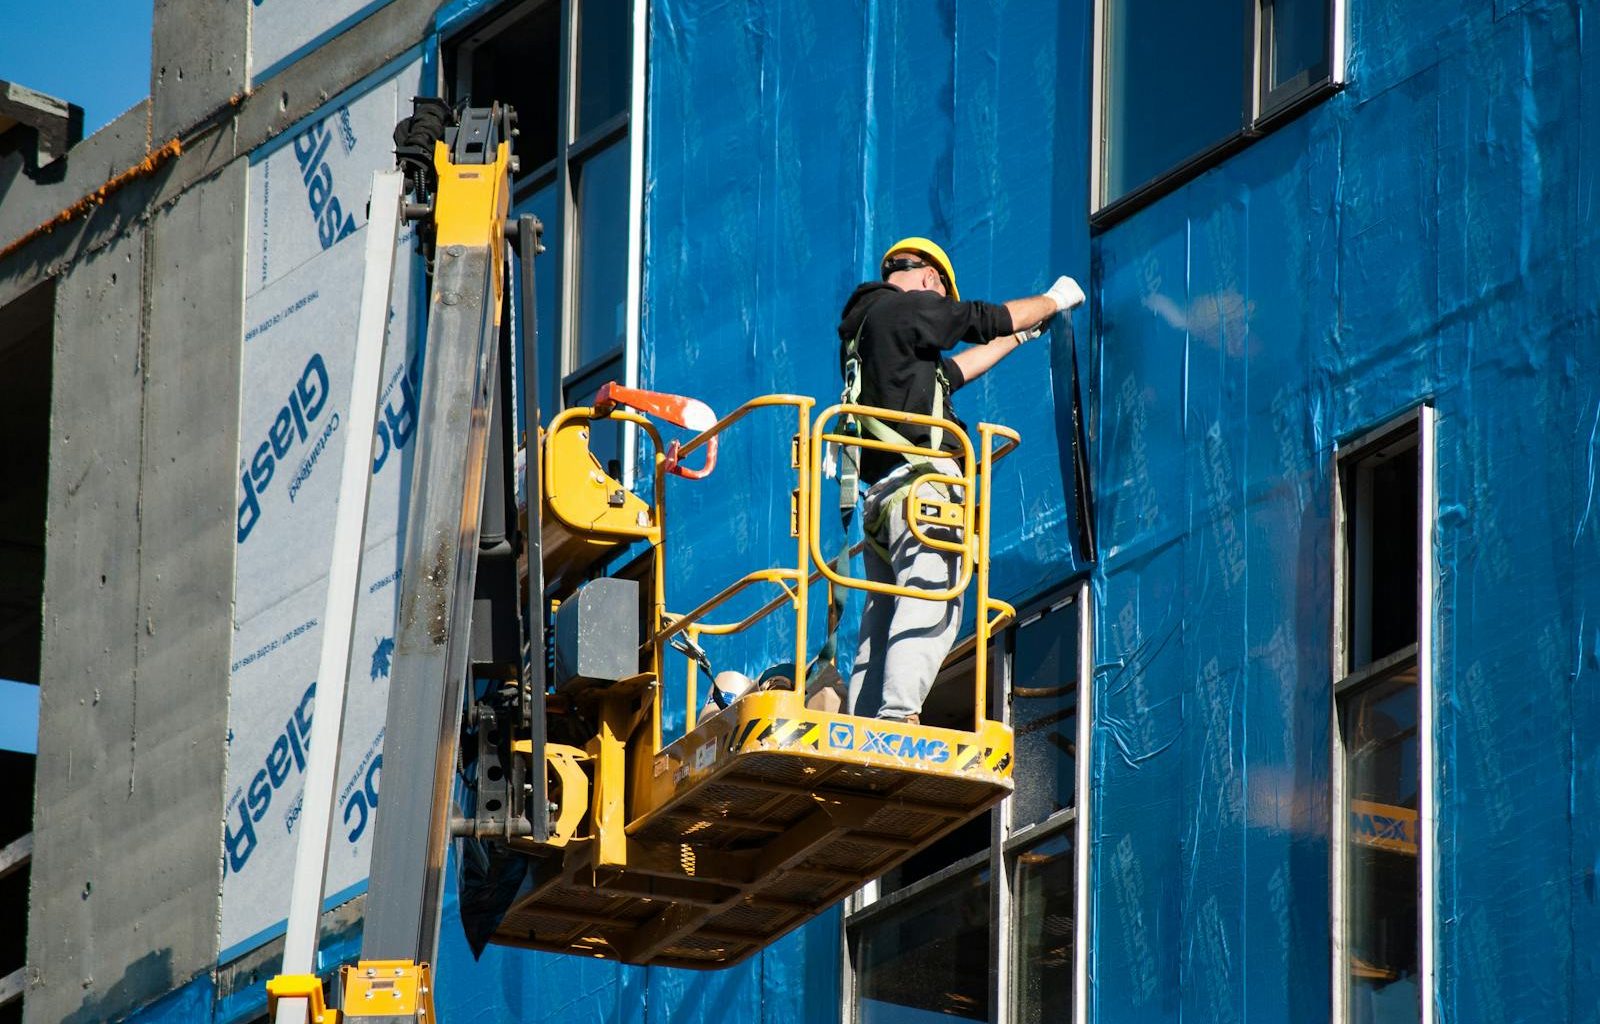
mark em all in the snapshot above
pixel 787 145
pixel 1427 235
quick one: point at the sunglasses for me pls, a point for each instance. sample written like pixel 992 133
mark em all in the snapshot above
pixel 899 263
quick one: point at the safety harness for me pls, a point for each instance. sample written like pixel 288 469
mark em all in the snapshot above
pixel 849 461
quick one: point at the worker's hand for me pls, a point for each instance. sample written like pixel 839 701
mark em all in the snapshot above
pixel 1066 294
pixel 1029 334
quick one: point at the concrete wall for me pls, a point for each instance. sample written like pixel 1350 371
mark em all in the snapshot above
pixel 137 631
pixel 140 543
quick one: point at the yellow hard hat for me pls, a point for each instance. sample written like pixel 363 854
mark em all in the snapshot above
pixel 934 255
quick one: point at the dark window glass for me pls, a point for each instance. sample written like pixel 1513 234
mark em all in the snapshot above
pixel 1044 714
pixel 1173 87
pixel 928 960
pixel 959 844
pixel 520 64
pixel 1042 967
pixel 543 204
pixel 603 62
pixel 602 190
pixel 1296 34
pixel 1379 724
pixel 1383 568
pixel 26 332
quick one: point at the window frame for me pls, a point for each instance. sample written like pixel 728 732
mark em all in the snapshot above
pixel 1351 681
pixel 1265 109
pixel 572 153
pixel 1007 844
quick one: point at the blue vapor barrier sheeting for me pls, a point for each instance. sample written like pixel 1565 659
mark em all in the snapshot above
pixel 788 147
pixel 1424 237
pixel 795 980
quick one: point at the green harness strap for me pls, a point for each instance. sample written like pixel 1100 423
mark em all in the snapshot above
pixel 850 476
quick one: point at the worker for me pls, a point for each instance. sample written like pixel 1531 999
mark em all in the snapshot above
pixel 896 336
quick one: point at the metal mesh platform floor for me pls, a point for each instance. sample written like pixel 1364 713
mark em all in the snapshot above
pixel 754 823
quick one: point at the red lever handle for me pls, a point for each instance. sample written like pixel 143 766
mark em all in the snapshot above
pixel 689 413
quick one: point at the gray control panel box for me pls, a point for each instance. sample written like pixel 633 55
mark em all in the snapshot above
pixel 597 635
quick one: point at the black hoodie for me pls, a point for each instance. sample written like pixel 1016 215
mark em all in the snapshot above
pixel 903 338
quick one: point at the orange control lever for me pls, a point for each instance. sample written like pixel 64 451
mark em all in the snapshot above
pixel 689 413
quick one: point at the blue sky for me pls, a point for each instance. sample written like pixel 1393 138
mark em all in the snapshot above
pixel 95 53
pixel 19 716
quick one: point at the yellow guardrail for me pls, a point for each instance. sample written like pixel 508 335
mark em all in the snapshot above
pixel 966 481
pixel 967 512
pixel 788 579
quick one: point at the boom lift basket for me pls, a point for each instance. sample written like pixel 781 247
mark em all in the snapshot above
pixel 702 851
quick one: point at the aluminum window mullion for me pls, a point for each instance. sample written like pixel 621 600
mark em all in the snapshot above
pixel 1083 813
pixel 921 887
pixel 634 288
pixel 614 128
pixel 1253 69
pixel 1338 953
pixel 538 178
pixel 566 202
pixel 1377 670
pixel 1426 779
pixel 1038 832
pixel 1347 684
pixel 1001 901
pixel 1336 29
pixel 1097 127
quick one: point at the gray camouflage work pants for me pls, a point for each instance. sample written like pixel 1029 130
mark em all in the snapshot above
pixel 903 640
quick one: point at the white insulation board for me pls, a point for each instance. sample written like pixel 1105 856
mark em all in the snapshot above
pixel 304 265
pixel 283 31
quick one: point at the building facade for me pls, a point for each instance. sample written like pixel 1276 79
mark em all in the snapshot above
pixel 1306 604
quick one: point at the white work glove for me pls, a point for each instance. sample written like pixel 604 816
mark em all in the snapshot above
pixel 1030 334
pixel 1066 294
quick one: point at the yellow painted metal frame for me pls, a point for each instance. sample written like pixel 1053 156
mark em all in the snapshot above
pixel 301 986
pixel 470 207
pixel 401 989
pixel 661 862
pixel 821 437
pixel 973 547
pixel 792 581
pixel 573 477
pixel 778 720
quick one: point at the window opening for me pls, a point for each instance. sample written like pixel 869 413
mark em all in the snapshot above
pixel 603 33
pixel 1294 48
pixel 948 706
pixel 516 59
pixel 1044 713
pixel 1379 725
pixel 24 465
pixel 1381 553
pixel 25 365
pixel 566 66
pixel 1027 968
pixel 926 957
pixel 602 238
pixel 1179 85
pixel 1380 774
pixel 1171 92
pixel 1045 930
